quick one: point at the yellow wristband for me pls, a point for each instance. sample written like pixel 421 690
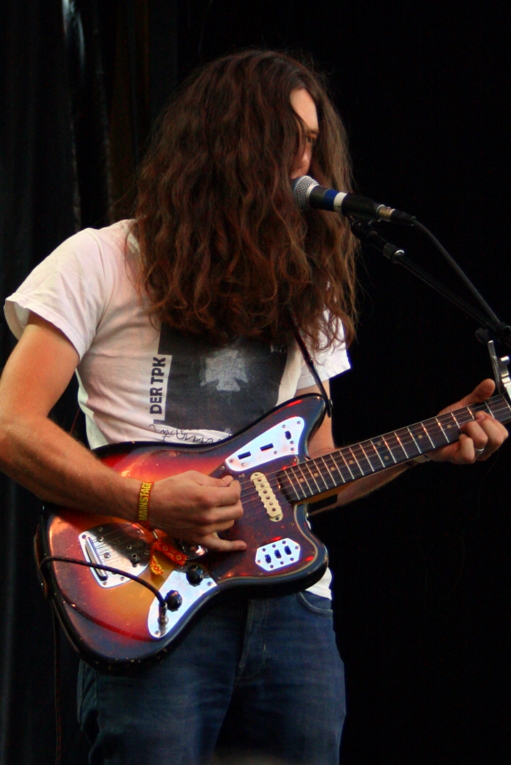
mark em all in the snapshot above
pixel 143 503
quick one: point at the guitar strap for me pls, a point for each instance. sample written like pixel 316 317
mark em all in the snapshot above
pixel 308 360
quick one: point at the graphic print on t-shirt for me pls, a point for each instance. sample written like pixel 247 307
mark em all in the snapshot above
pixel 221 389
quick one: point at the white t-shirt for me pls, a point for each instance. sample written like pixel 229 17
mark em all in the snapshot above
pixel 145 383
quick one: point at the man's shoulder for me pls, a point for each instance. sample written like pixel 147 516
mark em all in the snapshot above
pixel 116 234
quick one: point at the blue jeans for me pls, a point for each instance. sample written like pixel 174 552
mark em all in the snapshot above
pixel 251 676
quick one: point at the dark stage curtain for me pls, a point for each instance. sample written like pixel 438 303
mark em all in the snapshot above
pixel 422 573
pixel 38 211
pixel 74 93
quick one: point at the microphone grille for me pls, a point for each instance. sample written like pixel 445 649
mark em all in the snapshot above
pixel 301 190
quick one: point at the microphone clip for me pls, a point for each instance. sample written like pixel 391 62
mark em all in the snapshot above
pixel 364 231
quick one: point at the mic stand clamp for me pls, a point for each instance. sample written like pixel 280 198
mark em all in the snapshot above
pixel 364 231
pixel 500 370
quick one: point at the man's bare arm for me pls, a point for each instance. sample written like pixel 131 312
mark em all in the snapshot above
pixel 45 459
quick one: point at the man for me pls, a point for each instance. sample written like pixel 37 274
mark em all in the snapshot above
pixel 180 326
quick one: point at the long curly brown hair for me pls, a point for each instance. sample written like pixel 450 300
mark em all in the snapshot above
pixel 225 251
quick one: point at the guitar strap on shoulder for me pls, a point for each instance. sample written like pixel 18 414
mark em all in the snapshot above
pixel 310 363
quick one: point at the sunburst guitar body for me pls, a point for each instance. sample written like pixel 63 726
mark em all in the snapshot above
pixel 118 610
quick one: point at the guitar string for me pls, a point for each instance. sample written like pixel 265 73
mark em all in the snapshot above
pixel 355 457
pixel 405 440
pixel 497 407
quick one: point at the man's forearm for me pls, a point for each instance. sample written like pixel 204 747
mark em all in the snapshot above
pixel 43 458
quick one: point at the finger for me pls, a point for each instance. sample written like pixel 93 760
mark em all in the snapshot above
pixel 222 518
pixel 229 496
pixel 227 489
pixel 465 453
pixel 495 427
pixel 205 528
pixel 216 543
pixel 486 433
pixel 481 393
pixel 477 433
pixel 218 505
pixel 209 480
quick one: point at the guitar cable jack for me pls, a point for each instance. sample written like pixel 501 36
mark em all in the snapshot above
pixel 163 604
pixel 162 617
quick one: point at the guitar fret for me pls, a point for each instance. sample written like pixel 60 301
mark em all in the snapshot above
pixel 455 420
pixel 375 458
pixel 415 443
pixel 347 464
pixel 400 445
pixel 287 482
pixel 490 410
pixel 414 448
pixel 425 430
pixel 383 451
pixel 371 456
pixel 501 410
pixel 314 476
pixel 343 478
pixel 448 420
pixel 325 463
pixel 366 457
pixel 436 433
pixel 389 449
pixel 356 461
pixel 299 469
pixel 304 487
pixel 333 480
pixel 420 438
pixel 443 431
pixel 373 444
pixel 404 445
pixel 341 467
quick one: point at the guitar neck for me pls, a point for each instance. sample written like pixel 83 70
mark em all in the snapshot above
pixel 321 476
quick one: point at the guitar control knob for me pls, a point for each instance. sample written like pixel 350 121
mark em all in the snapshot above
pixel 195 575
pixel 173 600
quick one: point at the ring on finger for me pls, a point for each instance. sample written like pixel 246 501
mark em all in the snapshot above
pixel 479 452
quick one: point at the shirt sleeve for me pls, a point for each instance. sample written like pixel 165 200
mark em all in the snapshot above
pixel 70 289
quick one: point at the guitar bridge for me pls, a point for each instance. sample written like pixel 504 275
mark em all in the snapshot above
pixel 118 545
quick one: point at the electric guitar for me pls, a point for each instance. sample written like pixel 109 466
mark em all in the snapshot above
pixel 98 569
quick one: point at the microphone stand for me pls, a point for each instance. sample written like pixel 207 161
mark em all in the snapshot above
pixel 491 327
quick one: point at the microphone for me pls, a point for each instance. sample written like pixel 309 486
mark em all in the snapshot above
pixel 308 193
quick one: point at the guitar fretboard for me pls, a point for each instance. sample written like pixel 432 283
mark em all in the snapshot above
pixel 323 474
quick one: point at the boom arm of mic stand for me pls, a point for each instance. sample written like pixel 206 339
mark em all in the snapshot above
pixel 492 325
